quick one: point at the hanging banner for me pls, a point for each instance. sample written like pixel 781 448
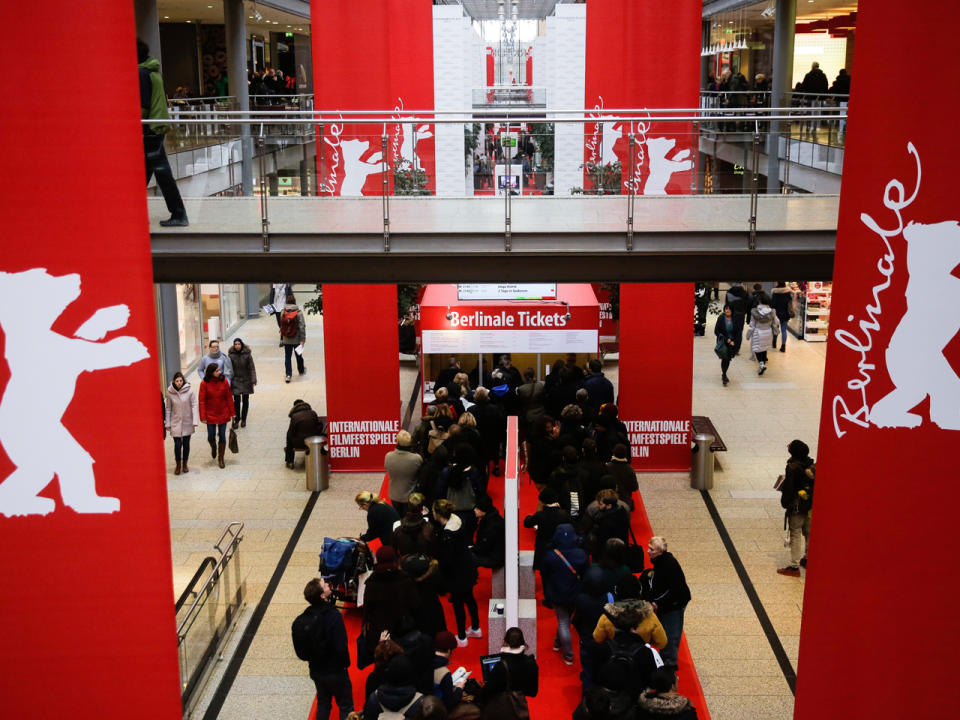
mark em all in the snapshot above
pixel 890 419
pixel 390 43
pixel 361 345
pixel 656 388
pixel 88 626
pixel 641 55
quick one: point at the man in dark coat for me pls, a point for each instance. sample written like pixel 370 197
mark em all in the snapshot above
pixel 626 477
pixel 739 303
pixel 665 587
pixel 701 298
pixel 489 548
pixel 796 498
pixel 546 522
pixel 390 596
pixel 598 386
pixel 304 423
pixel 328 666
pixel 815 81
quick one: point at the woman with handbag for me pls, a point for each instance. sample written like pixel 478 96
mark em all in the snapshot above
pixel 782 302
pixel 216 410
pixel 725 330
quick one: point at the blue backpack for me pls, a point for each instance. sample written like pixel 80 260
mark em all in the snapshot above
pixel 336 551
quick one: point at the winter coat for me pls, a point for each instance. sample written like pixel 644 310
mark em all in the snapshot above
pixel 491 538
pixel 543 455
pixel 301 335
pixel 443 686
pixel 524 675
pixel 561 585
pixel 492 427
pixel 221 360
pixel 415 539
pixel 425 573
pixel 456 560
pixel 815 81
pixel 244 371
pixel 182 413
pixel 665 584
pixel 570 482
pixel 664 706
pixel 337 655
pixel 401 465
pixel 546 521
pixel 393 698
pixel 388 597
pixel 380 520
pixel 649 628
pixel 463 495
pixel 781 301
pixel 216 401
pixel 626 478
pixel 600 390
pixel 304 423
pixel 763 326
pixel 795 479
pixel 737 299
pixel 153 100
pixel 531 397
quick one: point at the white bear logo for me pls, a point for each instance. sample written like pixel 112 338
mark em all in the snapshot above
pixel 915 361
pixel 355 170
pixel 662 168
pixel 44 367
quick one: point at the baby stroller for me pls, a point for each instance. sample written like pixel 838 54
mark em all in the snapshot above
pixel 343 563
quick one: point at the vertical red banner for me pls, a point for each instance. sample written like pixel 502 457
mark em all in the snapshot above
pixel 656 373
pixel 490 60
pixel 887 472
pixel 361 347
pixel 87 627
pixel 378 56
pixel 642 54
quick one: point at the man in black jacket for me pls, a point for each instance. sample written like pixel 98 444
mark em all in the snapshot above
pixel 796 498
pixel 490 547
pixel 329 663
pixel 304 423
pixel 546 522
pixel 665 587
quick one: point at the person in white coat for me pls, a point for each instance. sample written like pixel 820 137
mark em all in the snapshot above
pixel 182 418
pixel 764 325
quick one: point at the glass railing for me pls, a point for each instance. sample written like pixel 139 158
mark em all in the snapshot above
pixel 207 611
pixel 506 96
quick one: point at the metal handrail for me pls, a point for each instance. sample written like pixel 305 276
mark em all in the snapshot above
pixel 208 560
pixel 226 554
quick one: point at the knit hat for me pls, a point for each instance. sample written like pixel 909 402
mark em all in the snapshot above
pixel 386 557
pixel 548 496
pixel 445 641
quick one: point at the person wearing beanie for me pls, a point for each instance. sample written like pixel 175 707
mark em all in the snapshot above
pixel 388 596
pixel 546 522
pixel 796 498
pixel 397 694
pixel 661 699
pixel 443 686
pixel 489 549
pixel 401 465
pixel 626 476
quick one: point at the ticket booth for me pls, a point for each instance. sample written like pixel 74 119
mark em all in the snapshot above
pixel 477 323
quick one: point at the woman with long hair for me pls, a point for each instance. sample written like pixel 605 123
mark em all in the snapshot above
pixel 458 569
pixel 216 410
pixel 182 416
pixel 725 329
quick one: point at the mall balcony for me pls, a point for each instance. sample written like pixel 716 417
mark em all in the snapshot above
pixel 262 203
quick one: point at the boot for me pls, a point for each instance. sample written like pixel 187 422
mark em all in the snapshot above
pixel 176 470
pixel 233 424
pixel 185 468
pixel 221 447
pixel 177 219
pixel 213 448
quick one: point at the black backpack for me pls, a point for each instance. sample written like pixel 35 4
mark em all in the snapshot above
pixel 633 658
pixel 309 637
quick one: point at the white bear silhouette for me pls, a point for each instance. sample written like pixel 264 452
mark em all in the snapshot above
pixel 407 149
pixel 355 170
pixel 915 361
pixel 612 131
pixel 662 168
pixel 44 367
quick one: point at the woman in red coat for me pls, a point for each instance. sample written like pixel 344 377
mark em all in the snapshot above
pixel 216 409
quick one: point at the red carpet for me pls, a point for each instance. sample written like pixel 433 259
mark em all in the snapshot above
pixel 559 683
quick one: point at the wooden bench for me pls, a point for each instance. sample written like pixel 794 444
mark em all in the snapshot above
pixel 703 424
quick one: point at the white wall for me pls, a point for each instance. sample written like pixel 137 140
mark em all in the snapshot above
pixel 452 78
pixel 565 80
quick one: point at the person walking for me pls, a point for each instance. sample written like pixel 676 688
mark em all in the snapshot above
pixel 701 300
pixel 216 410
pixel 244 380
pixel 739 302
pixel 764 325
pixel 665 588
pixel 293 335
pixel 725 330
pixel 153 106
pixel 320 638
pixel 782 304
pixel 458 569
pixel 796 498
pixel 278 296
pixel 561 571
pixel 181 419
pixel 214 356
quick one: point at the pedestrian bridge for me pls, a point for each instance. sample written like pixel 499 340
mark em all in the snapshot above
pixel 487 239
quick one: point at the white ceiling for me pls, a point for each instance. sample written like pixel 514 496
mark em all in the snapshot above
pixel 211 12
pixel 489 9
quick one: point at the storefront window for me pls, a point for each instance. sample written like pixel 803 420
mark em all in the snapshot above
pixel 231 307
pixel 188 315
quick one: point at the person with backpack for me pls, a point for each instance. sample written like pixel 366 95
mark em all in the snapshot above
pixel 629 611
pixel 662 701
pixel 461 484
pixel 293 335
pixel 665 588
pixel 561 571
pixel 796 498
pixel 397 698
pixel 626 663
pixel 380 517
pixel 600 703
pixel 320 638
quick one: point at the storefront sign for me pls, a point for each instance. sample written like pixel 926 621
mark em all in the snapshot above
pixel 361 348
pixel 88 625
pixel 886 466
pixel 376 56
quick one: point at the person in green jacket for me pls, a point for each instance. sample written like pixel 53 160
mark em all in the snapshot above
pixel 153 105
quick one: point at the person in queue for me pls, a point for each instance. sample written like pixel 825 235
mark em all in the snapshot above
pixel 630 611
pixel 244 381
pixel 458 569
pixel 216 410
pixel 415 534
pixel 380 517
pixel 546 522
pixel 402 465
pixel 424 570
pixel 491 424
pixel 597 385
pixel 661 701
pixel 516 670
pixel 450 692
pixel 304 423
pixel 181 417
pixel 665 588
pixel 489 548
pixel 389 595
pixel 398 693
pixel 620 469
pixel 561 571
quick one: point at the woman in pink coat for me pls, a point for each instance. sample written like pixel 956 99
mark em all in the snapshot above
pixel 181 419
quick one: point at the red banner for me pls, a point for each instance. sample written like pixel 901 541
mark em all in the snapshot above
pixel 88 627
pixel 378 56
pixel 886 476
pixel 641 55
pixel 490 59
pixel 360 342
pixel 656 387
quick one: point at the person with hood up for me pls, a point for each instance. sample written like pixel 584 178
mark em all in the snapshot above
pixel 390 594
pixel 561 571
pixel 458 569
pixel 796 498
pixel 244 380
pixel 630 612
pixel 293 335
pixel 661 701
pixel 381 517
pixel 782 304
pixel 764 325
pixel 182 415
pixel 216 410
pixel 397 694
pixel 425 573
pixel 153 106
pixel 489 549
pixel 215 357
pixel 665 587
pixel 304 423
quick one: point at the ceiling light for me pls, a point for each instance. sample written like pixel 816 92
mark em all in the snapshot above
pixel 166 17
pixel 189 21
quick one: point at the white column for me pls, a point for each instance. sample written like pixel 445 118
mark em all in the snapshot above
pixel 451 45
pixel 566 78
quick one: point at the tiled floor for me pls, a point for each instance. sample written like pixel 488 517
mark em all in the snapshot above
pixel 756 417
